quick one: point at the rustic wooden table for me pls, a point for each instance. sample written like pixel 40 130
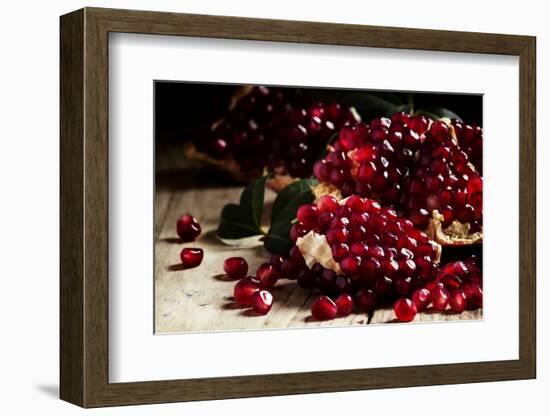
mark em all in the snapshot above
pixel 200 299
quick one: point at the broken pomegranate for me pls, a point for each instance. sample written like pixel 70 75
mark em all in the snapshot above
pixel 445 188
pixel 415 165
pixel 272 128
pixel 363 246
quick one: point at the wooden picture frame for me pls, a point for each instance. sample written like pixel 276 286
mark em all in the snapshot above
pixel 84 207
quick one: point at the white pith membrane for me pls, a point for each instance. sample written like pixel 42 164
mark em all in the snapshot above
pixel 315 249
pixel 456 234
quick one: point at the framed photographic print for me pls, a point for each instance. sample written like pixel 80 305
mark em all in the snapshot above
pixel 259 207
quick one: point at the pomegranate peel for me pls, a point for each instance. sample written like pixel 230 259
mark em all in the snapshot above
pixel 456 234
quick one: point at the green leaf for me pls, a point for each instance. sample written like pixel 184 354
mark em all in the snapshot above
pixel 284 212
pixel 252 200
pixel 277 240
pixel 244 220
pixel 438 112
pixel 378 103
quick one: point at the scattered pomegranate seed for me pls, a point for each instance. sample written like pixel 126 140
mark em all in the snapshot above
pixel 344 304
pixel 323 308
pixel 191 257
pixel 188 228
pixel 244 289
pixel 235 267
pixel 262 300
pixel 404 309
pixel 268 274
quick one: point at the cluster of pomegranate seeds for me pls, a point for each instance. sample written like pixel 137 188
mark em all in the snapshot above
pixel 457 286
pixel 470 139
pixel 380 254
pixel 235 267
pixel 413 164
pixel 191 257
pixel 444 179
pixel 271 127
pixel 372 160
pixel 188 228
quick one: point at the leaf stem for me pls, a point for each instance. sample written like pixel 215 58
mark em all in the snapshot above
pixel 411 103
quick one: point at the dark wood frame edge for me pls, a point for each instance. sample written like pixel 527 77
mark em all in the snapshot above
pixel 84 207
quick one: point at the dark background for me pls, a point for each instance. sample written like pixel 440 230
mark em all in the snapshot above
pixel 185 111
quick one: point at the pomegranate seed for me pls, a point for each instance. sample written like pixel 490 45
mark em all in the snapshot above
pixel 422 299
pixel 268 274
pixel 457 301
pixel 350 265
pixel 235 267
pixel 439 130
pixel 366 300
pixel 402 286
pixel 262 301
pixel 404 309
pixel 474 294
pixel 188 228
pixel 327 203
pixel 244 289
pixel 344 304
pixel 191 257
pixel 440 298
pixel 297 230
pixel 308 215
pixel 323 308
pixel 420 218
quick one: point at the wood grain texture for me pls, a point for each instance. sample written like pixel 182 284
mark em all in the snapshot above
pixel 84 206
pixel 72 368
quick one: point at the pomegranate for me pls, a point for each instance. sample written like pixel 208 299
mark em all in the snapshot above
pixel 271 128
pixel 364 246
pixel 415 165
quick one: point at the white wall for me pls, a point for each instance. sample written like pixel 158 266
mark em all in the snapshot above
pixel 29 206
